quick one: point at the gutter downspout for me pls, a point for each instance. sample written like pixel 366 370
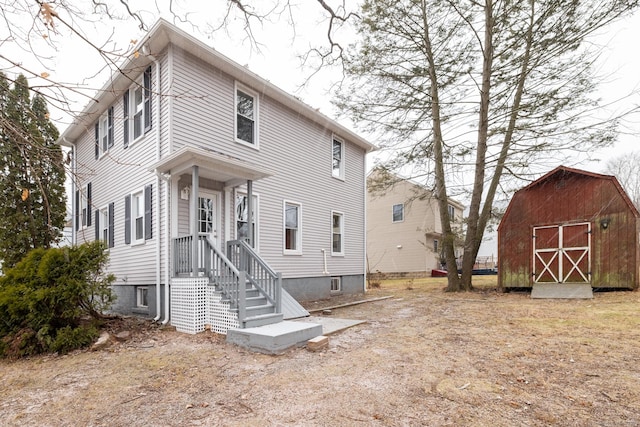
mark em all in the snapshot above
pixel 167 269
pixel 73 188
pixel 158 183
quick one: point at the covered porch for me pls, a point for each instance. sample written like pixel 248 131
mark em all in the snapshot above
pixel 217 280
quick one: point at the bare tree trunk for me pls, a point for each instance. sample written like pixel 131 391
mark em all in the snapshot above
pixel 473 237
pixel 448 246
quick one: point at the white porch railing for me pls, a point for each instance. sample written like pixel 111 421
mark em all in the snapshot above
pixel 259 273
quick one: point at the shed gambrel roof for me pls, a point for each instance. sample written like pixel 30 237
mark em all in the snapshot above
pixel 155 41
pixel 562 171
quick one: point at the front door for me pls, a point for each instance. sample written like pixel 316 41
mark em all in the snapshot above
pixel 208 215
pixel 561 253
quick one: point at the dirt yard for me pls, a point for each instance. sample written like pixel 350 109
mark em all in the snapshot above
pixel 423 358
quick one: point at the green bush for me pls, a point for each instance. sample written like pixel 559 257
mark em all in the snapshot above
pixel 46 296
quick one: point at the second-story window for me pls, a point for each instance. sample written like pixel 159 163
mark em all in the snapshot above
pixel 397 212
pixel 338 159
pixel 452 212
pixel 104 133
pixel 246 117
pixel 137 108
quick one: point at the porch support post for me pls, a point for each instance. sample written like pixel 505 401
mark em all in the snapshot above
pixel 250 211
pixel 195 189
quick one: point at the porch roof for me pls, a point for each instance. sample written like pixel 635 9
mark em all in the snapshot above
pixel 213 165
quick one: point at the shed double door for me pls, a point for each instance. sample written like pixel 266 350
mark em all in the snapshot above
pixel 562 253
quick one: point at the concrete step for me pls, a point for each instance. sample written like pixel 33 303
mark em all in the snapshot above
pixel 274 338
pixel 562 290
pixel 262 319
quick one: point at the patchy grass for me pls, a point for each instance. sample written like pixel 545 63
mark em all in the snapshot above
pixel 422 357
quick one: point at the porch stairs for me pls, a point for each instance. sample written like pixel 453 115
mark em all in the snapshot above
pixel 259 311
pixel 236 294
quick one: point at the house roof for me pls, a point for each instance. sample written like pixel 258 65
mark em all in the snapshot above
pixel 564 170
pixel 160 36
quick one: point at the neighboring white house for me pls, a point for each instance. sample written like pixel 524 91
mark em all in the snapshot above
pixel 185 142
pixel 404 235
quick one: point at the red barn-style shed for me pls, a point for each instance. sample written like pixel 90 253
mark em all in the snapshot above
pixel 570 226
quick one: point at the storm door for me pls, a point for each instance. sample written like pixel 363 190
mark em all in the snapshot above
pixel 562 253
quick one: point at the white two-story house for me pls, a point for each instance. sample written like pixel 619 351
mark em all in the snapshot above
pixel 201 176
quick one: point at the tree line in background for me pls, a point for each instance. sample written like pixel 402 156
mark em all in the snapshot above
pixel 32 175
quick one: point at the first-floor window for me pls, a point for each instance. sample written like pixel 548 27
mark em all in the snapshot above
pixel 337 233
pixel 83 207
pixel 137 215
pixel 292 233
pixel 435 246
pixel 242 218
pixel 142 294
pixel 398 212
pixel 104 224
pixel 336 286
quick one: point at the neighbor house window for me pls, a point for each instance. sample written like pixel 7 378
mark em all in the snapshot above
pixel 83 207
pixel 246 117
pixel 398 212
pixel 452 212
pixel 104 133
pixel 142 296
pixel 137 216
pixel 292 232
pixel 338 159
pixel 337 233
pixel 435 246
pixel 137 108
pixel 104 225
pixel 336 285
pixel 242 218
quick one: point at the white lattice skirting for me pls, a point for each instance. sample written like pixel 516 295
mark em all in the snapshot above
pixel 195 304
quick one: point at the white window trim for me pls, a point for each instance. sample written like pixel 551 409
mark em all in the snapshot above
pixel 135 241
pixel 298 250
pixel 341 253
pixel 338 279
pixel 256 217
pixel 139 84
pixel 139 290
pixel 340 174
pixel 103 132
pixel 400 220
pixel 256 109
pixel 104 224
pixel 84 196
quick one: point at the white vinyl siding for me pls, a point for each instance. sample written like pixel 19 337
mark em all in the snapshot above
pixel 117 175
pixel 296 149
